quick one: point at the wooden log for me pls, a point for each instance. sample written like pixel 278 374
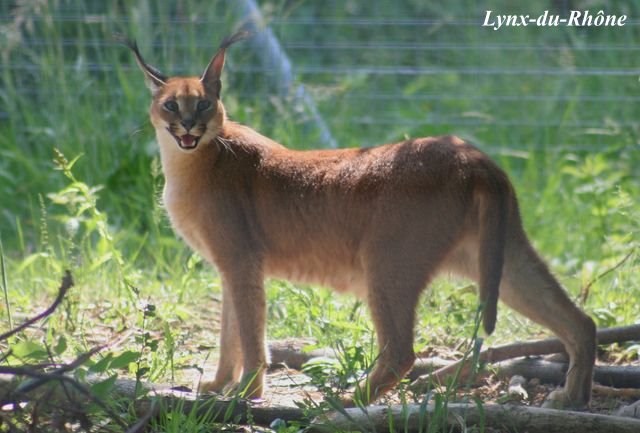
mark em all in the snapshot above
pixel 410 418
pixel 520 349
pixel 292 353
pixel 612 393
pixel 632 410
pixel 618 376
pixel 459 416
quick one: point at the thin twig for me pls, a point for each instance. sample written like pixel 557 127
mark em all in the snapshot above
pixel 84 390
pixel 47 376
pixel 141 424
pixel 584 293
pixel 42 377
pixel 67 283
pixel 4 356
pixel 5 286
pixel 65 368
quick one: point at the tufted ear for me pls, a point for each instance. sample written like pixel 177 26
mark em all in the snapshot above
pixel 211 76
pixel 153 77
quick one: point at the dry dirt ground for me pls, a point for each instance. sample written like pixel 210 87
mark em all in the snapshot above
pixel 196 350
pixel 286 386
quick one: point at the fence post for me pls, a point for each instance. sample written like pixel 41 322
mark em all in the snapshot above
pixel 274 58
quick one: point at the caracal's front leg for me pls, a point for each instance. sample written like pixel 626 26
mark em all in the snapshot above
pixel 246 290
pixel 230 363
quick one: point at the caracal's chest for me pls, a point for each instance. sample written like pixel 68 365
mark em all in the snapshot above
pixel 189 215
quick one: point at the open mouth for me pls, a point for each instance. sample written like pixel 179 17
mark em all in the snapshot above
pixel 186 141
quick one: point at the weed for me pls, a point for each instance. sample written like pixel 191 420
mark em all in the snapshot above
pixel 5 287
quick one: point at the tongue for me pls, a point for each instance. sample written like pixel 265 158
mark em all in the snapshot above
pixel 188 140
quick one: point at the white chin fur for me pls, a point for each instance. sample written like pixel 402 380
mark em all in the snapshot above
pixel 188 149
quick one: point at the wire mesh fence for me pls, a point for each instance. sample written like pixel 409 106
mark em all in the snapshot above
pixel 376 72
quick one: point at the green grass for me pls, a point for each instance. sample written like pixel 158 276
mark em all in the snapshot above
pixel 569 143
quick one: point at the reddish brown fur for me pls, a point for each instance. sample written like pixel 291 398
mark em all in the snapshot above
pixel 380 222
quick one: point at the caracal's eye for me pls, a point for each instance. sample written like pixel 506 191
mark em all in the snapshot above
pixel 171 106
pixel 203 105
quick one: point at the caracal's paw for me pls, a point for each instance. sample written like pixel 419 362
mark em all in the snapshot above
pixel 211 387
pixel 251 387
pixel 560 399
pixel 360 397
pixel 347 401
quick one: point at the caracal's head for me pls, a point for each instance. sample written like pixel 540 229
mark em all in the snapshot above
pixel 187 108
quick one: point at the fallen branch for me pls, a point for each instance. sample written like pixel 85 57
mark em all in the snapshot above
pixel 18 383
pixel 67 283
pixel 424 366
pixel 619 376
pixel 162 399
pixel 632 410
pixel 40 377
pixel 607 391
pixel 154 400
pixel 414 418
pixel 291 352
pixel 517 350
pixel 80 395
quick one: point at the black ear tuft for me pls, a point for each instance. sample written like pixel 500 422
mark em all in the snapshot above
pixel 155 79
pixel 213 72
pixel 236 37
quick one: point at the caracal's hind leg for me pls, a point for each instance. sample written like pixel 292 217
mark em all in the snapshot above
pixel 529 288
pixel 392 302
pixel 230 363
pixel 395 279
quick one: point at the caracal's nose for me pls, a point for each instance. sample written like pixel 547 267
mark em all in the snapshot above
pixel 187 123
